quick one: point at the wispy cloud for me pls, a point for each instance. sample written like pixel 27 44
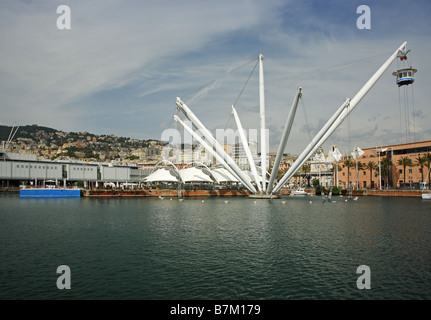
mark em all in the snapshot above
pixel 123 63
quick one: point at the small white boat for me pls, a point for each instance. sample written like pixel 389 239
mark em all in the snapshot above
pixel 426 196
pixel 299 192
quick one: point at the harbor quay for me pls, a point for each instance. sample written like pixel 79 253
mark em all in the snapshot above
pixel 109 180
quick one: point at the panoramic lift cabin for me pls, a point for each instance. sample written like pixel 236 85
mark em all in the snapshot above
pixel 405 76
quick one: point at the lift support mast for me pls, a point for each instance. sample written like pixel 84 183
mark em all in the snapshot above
pixel 336 120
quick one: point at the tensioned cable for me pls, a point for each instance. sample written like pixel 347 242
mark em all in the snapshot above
pixel 307 124
pixel 413 114
pixel 211 83
pixel 406 110
pixel 401 113
pixel 413 103
pixel 303 75
pixel 254 68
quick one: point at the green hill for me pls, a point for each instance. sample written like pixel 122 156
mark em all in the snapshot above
pixel 27 131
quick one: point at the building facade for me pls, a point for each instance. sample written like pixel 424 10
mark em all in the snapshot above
pixel 17 170
pixel 380 167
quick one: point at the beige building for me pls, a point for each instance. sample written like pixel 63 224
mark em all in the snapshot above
pixel 394 175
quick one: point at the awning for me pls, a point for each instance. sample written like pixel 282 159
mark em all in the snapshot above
pixel 163 175
pixel 223 176
pixel 194 174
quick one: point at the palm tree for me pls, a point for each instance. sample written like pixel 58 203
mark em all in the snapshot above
pixel 420 162
pixel 371 166
pixel 428 164
pixel 386 164
pixel 306 168
pixel 359 166
pixel 349 164
pixel 334 170
pixel 405 162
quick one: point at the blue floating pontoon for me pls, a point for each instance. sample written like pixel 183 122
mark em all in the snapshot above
pixel 49 193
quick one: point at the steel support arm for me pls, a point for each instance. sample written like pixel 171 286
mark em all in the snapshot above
pixel 332 124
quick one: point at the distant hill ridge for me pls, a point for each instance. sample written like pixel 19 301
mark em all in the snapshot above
pixel 29 131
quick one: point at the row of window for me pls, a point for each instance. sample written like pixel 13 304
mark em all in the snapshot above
pixel 50 167
pixel 82 169
pixel 405 74
pixel 36 167
pixel 401 171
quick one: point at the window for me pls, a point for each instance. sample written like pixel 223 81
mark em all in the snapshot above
pixel 410 170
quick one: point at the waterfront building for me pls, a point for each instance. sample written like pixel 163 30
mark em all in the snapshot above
pixel 319 167
pixel 382 175
pixel 27 170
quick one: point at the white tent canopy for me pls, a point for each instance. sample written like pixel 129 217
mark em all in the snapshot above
pixel 222 175
pixel 194 174
pixel 162 175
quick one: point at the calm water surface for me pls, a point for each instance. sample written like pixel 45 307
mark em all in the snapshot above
pixel 244 249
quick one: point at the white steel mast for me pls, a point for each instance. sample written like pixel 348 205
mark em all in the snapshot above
pixel 246 149
pixel 263 147
pixel 219 149
pixel 332 124
pixel 284 139
pixel 210 150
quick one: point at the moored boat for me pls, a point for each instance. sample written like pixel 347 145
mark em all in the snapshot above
pixel 299 192
pixel 426 196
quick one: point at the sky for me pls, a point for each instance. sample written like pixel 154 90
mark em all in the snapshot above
pixel 122 64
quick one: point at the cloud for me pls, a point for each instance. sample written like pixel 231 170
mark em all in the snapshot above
pixel 123 64
pixel 110 44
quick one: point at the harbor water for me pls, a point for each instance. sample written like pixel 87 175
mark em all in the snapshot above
pixel 215 248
